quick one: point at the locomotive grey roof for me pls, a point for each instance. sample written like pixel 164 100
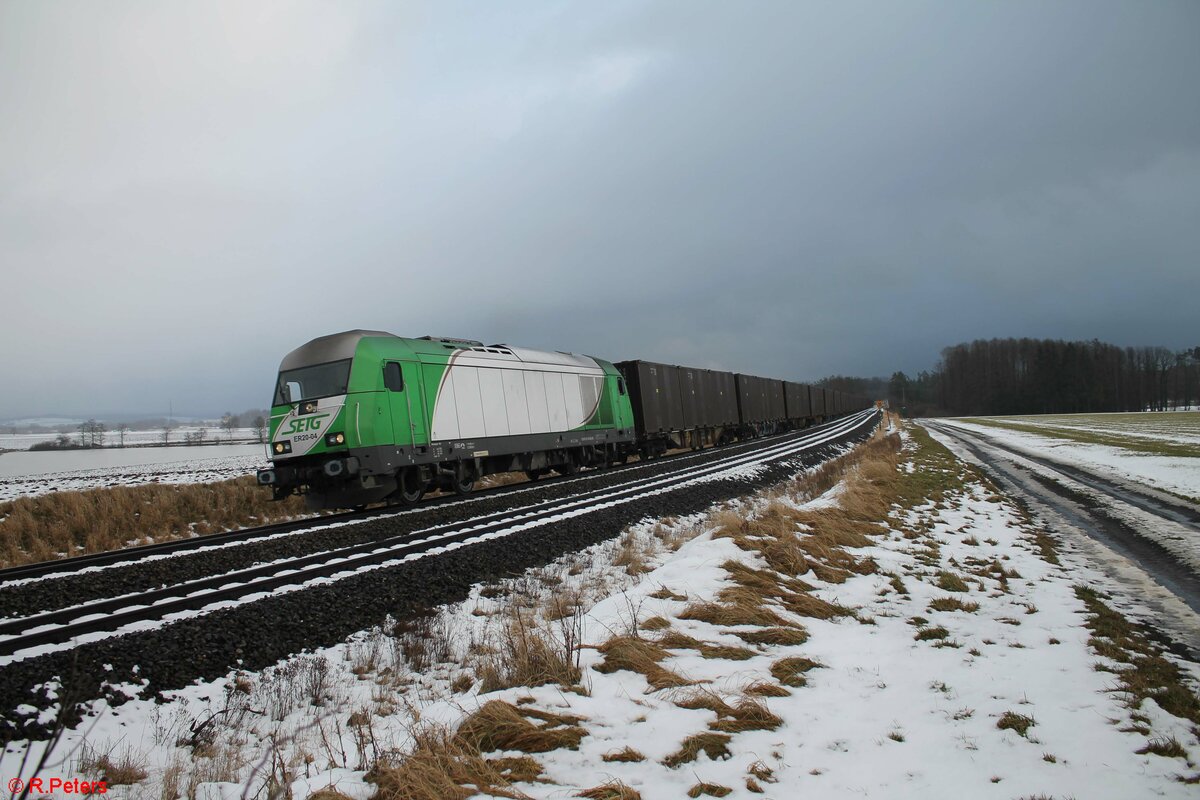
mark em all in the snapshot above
pixel 323 349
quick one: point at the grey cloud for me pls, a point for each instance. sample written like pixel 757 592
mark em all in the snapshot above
pixel 186 193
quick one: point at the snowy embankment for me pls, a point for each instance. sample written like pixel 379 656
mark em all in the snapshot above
pixel 1177 474
pixel 785 645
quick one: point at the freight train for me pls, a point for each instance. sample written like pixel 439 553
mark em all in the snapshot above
pixel 365 416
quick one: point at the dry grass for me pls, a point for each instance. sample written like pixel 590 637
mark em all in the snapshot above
pixel 329 793
pixel 440 767
pixel 655 624
pixel 95 520
pixel 625 756
pixel 953 604
pixel 748 715
pixel 123 771
pixel 713 745
pixel 1010 720
pixel 503 726
pixel 641 656
pixel 709 789
pixel 790 671
pixel 767 689
pixel 613 790
pixel 1167 746
pixel 631 555
pixel 775 636
pixel 673 640
pixel 743 613
pixel 948 581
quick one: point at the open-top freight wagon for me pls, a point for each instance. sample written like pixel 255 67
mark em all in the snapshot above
pixel 367 416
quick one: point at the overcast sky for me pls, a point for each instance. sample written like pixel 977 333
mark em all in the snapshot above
pixel 190 190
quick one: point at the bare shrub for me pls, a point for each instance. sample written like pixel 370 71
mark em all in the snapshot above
pixel 529 653
pixel 424 640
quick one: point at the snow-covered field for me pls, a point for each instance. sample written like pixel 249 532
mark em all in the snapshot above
pixel 903 698
pixel 1177 474
pixel 1166 426
pixel 26 474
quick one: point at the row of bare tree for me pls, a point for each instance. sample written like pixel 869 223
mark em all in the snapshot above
pixel 1049 376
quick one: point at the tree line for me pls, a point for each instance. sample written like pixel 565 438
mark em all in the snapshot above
pixel 94 433
pixel 1041 376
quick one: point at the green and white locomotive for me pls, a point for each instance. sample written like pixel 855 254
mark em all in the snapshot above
pixel 367 416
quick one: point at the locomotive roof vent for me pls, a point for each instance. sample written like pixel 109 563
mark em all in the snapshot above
pixel 448 340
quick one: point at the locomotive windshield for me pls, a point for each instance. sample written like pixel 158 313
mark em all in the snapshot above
pixel 309 383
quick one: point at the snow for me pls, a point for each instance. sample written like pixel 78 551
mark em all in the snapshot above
pixel 885 716
pixel 1179 475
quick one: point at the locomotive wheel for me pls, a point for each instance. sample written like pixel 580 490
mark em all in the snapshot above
pixel 463 485
pixel 569 468
pixel 412 488
pixel 534 474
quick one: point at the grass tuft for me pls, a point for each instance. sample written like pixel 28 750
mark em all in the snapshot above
pixel 776 636
pixel 625 756
pixel 613 790
pixel 502 726
pixel 642 656
pixel 1166 746
pixel 1012 721
pixel 713 745
pixel 790 671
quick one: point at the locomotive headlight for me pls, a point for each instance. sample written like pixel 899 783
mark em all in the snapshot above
pixel 282 447
pixel 309 407
pixel 335 439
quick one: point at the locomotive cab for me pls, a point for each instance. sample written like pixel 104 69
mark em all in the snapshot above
pixel 317 424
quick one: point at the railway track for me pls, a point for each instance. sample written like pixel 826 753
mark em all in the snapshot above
pixel 66 567
pixel 112 614
pixel 202 627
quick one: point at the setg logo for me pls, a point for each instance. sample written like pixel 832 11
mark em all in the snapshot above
pixel 303 424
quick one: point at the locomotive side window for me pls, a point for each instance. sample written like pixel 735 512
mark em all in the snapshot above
pixel 621 385
pixel 393 379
